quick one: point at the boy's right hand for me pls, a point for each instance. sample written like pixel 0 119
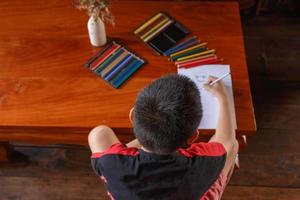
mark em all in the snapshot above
pixel 218 89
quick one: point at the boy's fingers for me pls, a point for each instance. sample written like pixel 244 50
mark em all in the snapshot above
pixel 206 86
pixel 211 79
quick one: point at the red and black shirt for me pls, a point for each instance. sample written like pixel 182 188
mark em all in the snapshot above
pixel 133 174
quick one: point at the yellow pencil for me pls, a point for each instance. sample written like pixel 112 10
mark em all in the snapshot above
pixel 192 59
pixel 158 30
pixel 197 54
pixel 139 29
pixel 193 47
pixel 155 28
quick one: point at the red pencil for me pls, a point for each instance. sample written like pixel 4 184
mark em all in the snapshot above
pixel 199 62
pixel 196 65
pixel 104 56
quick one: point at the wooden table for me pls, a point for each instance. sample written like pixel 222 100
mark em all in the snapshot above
pixel 47 96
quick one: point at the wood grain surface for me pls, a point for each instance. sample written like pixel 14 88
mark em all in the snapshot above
pixel 47 96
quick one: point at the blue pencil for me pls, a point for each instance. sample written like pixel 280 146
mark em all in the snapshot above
pixel 127 73
pixel 181 44
pixel 169 51
pixel 126 67
pixel 186 46
pixel 118 68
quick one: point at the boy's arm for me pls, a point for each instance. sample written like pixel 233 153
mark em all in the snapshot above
pixel 101 138
pixel 225 132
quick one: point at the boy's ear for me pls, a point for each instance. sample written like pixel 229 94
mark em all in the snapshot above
pixel 131 115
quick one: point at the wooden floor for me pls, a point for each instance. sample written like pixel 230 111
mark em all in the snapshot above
pixel 270 166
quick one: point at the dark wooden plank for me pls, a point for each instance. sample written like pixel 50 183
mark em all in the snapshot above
pixel 276 92
pixel 33 188
pixel 282 55
pixel 257 66
pixel 282 47
pixel 266 170
pixel 279 30
pixel 277 104
pixel 274 37
pixel 272 25
pixel 272 158
pixel 49 162
pixel 278 116
pixel 274 142
pixel 283 68
pixel 255 45
pixel 260 193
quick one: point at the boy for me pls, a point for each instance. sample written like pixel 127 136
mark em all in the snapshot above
pixel 155 165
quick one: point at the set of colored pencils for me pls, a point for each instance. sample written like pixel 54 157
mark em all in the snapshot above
pixel 153 26
pixel 115 64
pixel 192 52
pixel 161 32
pixel 168 37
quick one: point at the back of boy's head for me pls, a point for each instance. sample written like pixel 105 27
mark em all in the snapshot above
pixel 166 113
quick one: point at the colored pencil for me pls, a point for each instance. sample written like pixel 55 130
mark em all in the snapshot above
pixel 157 30
pixel 119 67
pixel 148 22
pixel 157 50
pixel 220 78
pixel 192 43
pixel 194 38
pixel 187 53
pixel 127 73
pixel 204 63
pixel 197 65
pixel 129 65
pixel 92 59
pixel 124 70
pixel 199 61
pixel 104 56
pixel 164 21
pixel 114 63
pixel 193 59
pixel 188 49
pixel 212 51
pixel 150 26
pixel 109 60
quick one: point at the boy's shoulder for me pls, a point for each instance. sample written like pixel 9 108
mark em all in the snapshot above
pixel 117 149
pixel 196 149
pixel 203 149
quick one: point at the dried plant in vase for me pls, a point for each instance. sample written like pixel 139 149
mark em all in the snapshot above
pixel 98 10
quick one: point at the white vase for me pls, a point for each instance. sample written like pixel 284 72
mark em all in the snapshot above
pixel 97 32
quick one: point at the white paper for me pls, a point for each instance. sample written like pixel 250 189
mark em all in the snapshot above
pixel 210 105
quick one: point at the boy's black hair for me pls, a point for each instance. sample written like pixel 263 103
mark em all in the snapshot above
pixel 166 113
